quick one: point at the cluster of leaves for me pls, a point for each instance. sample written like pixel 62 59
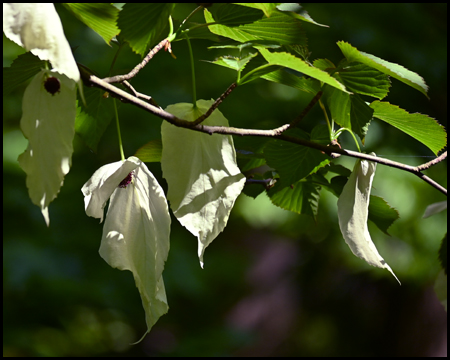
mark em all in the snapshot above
pixel 262 41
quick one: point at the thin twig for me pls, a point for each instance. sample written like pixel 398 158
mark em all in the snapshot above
pixel 138 67
pixel 299 118
pixel 432 162
pixel 214 106
pixel 92 80
pixel 140 95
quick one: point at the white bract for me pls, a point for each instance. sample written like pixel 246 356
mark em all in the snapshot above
pixel 353 210
pixel 201 171
pixel 48 122
pixel 37 28
pixel 48 116
pixel 137 227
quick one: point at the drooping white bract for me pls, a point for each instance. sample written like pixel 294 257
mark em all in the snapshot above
pixel 201 171
pixel 137 227
pixel 37 28
pixel 48 122
pixel 353 211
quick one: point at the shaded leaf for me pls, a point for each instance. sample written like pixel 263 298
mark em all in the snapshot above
pixel 292 161
pixel 143 25
pixel 381 214
pixel 23 68
pixel 93 119
pixel 302 197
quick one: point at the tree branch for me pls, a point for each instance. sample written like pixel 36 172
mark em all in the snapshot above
pixel 138 67
pixel 92 80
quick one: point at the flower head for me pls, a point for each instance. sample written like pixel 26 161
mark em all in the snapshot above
pixel 137 227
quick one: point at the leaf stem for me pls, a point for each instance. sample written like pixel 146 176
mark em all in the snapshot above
pixel 339 132
pixel 330 129
pixel 122 156
pixel 191 56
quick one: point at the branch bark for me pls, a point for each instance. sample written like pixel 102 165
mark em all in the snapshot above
pixel 92 80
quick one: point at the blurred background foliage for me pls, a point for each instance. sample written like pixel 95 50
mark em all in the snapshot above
pixel 275 283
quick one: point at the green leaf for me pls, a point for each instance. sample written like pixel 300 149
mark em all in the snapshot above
pixel 360 116
pixel 301 198
pixel 234 15
pixel 143 25
pixel 295 10
pixel 349 111
pixel 281 76
pixel 267 8
pixel 258 73
pixel 233 63
pixel 324 64
pixel 339 104
pixel 294 63
pixel 200 169
pixel 421 127
pixel 365 80
pixel 93 119
pixel 279 28
pixel 48 124
pixel 353 204
pixel 381 214
pixel 23 68
pixel 397 71
pixel 100 17
pixel 150 152
pixel 293 162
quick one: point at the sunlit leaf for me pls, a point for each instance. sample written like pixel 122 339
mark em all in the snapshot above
pixel 100 17
pixel 397 71
pixel 362 79
pixel 297 64
pixel 279 28
pixel 150 152
pixel 421 127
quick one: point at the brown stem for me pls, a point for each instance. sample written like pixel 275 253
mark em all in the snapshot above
pixel 138 67
pixel 214 106
pixel 92 80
